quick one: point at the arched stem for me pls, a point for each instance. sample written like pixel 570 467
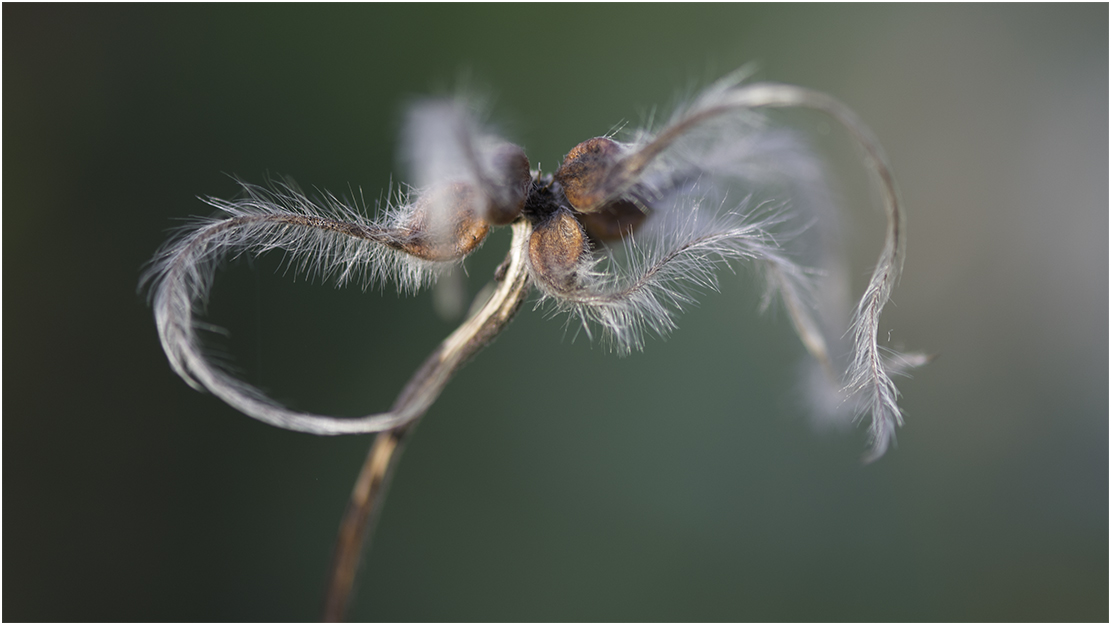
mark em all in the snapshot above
pixel 415 399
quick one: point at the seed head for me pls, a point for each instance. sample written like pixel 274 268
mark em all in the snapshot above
pixel 715 187
pixel 585 172
pixel 464 205
pixel 510 184
pixel 557 248
pixel 613 221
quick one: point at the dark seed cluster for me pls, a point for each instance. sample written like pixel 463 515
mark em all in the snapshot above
pixel 571 211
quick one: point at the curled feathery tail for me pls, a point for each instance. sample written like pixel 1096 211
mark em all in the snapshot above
pixel 721 138
pixel 326 239
pixel 641 288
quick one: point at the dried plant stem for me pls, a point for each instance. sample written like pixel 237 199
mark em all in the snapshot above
pixel 360 518
pixel 415 399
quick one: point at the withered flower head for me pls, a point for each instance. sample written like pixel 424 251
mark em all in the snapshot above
pixel 621 236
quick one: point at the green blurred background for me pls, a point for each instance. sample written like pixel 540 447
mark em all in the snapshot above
pixel 553 480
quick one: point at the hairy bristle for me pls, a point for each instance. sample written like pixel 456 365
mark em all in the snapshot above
pixel 326 239
pixel 724 142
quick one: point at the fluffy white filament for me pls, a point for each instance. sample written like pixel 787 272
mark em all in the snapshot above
pixel 644 285
pixel 444 140
pixel 722 141
pixel 329 240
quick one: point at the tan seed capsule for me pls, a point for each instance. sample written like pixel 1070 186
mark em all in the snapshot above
pixel 585 170
pixel 613 221
pixel 511 181
pixel 461 204
pixel 556 247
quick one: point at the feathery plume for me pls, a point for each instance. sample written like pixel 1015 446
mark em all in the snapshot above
pixel 326 239
pixel 722 141
pixel 623 235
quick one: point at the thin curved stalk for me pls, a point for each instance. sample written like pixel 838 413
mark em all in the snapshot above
pixel 360 518
pixel 329 240
pixel 774 95
pixel 867 379
pixel 415 399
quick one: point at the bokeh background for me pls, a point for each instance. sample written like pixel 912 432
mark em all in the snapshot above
pixel 553 481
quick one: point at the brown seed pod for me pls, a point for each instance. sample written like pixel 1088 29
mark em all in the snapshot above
pixel 511 182
pixel 556 248
pixel 613 221
pixel 458 202
pixel 585 170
